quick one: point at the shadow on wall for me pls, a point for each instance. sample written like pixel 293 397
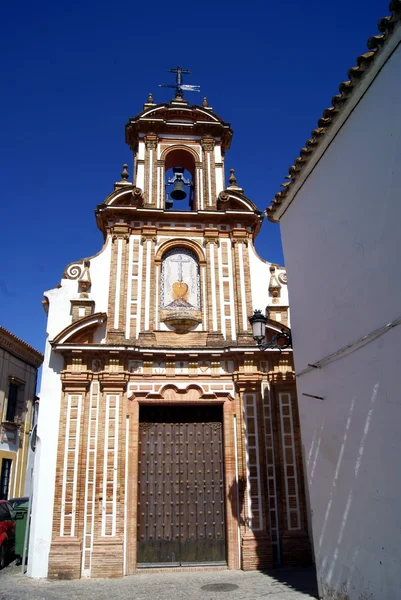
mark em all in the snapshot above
pixel 237 501
pixel 299 579
pixel 338 565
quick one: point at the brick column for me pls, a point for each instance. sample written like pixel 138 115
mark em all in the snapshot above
pixel 132 491
pixel 242 287
pixel 295 542
pixel 209 178
pixel 231 492
pixel 160 191
pixel 150 191
pixel 148 241
pixel 66 548
pixel 256 548
pixel 211 243
pixel 116 321
pixel 199 189
pixel 109 531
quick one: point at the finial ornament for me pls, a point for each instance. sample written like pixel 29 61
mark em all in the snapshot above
pixel 84 282
pixel 150 98
pixel 233 180
pixel 274 286
pixel 124 173
pixel 205 102
pixel 179 83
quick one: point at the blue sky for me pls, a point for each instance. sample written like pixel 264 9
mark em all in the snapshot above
pixel 72 74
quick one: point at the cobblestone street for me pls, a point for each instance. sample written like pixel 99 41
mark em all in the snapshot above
pixel 195 585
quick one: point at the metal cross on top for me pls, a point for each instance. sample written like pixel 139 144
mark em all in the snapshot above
pixel 180 259
pixel 179 86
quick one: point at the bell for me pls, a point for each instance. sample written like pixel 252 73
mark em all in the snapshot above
pixel 178 192
pixel 169 204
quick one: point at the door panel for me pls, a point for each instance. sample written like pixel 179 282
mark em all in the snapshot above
pixel 158 518
pixel 181 487
pixel 202 498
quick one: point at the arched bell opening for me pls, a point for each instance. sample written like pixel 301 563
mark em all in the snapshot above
pixel 180 180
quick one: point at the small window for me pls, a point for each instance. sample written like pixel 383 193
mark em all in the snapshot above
pixel 5 478
pixel 12 400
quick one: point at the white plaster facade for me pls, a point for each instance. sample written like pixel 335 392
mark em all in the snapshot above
pixel 260 271
pixel 341 221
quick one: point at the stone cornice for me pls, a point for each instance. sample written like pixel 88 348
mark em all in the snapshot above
pixel 251 381
pixel 114 381
pixel 282 378
pixel 211 236
pixel 73 381
pixel 148 232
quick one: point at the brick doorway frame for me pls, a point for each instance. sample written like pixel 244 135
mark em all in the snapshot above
pixel 181 397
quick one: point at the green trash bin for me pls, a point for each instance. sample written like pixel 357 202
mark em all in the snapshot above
pixel 21 517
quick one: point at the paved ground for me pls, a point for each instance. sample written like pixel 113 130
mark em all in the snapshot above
pixel 196 585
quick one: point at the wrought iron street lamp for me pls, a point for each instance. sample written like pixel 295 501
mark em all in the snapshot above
pixel 281 341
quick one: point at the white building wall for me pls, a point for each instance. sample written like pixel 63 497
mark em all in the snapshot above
pixel 260 278
pixel 343 228
pixel 100 276
pixel 140 167
pixel 45 464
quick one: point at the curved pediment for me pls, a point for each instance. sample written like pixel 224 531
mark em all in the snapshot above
pixel 178 118
pixel 129 195
pixel 81 331
pixel 172 112
pixel 276 326
pixel 235 200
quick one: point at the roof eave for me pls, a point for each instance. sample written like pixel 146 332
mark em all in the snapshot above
pixel 287 195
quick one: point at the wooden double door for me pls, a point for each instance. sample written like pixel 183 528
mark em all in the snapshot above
pixel 181 512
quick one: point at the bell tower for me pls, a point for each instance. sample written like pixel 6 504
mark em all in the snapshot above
pixel 181 238
pixel 179 137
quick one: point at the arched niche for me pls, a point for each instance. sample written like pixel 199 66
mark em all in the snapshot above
pixel 180 280
pixel 186 158
pixel 180 291
pixel 184 243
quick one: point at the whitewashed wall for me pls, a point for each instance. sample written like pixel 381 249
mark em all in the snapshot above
pixel 260 278
pixel 344 229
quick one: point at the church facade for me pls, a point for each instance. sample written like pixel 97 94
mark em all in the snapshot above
pixel 166 437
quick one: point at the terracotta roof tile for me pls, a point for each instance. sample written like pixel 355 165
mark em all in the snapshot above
pixel 363 63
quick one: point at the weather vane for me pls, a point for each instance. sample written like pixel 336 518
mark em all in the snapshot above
pixel 179 86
